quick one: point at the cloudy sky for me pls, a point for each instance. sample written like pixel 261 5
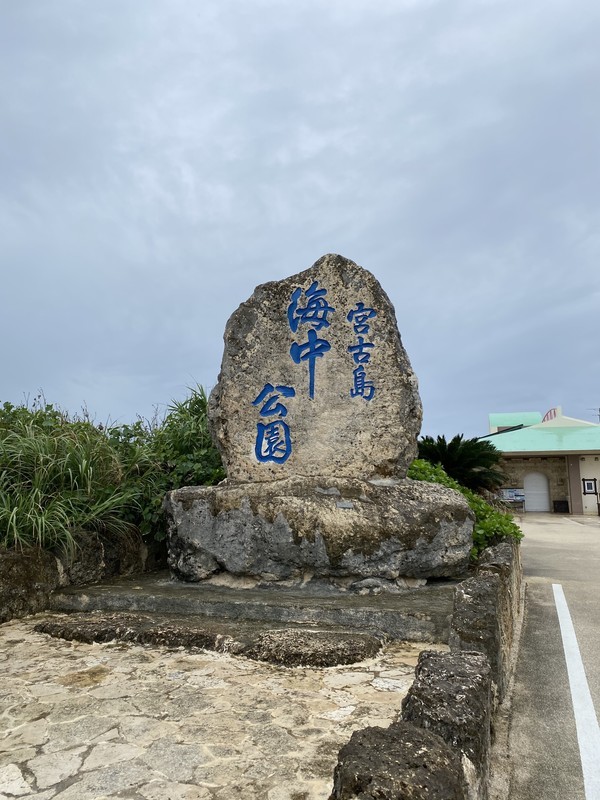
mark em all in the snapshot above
pixel 159 159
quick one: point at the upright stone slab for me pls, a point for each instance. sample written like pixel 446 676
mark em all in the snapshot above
pixel 316 414
pixel 315 381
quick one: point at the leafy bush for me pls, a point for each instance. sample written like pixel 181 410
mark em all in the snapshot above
pixel 62 475
pixel 491 525
pixel 58 477
pixel 474 463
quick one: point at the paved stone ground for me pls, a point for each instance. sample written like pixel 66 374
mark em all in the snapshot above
pixel 85 722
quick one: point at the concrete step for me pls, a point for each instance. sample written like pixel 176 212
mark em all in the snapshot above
pixel 418 615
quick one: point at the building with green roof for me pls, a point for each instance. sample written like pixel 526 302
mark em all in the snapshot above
pixel 552 463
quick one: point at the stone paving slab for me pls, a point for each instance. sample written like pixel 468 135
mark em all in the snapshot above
pixel 92 721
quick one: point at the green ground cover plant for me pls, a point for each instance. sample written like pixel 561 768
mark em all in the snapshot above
pixel 166 454
pixel 491 524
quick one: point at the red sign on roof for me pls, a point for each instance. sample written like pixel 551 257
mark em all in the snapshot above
pixel 550 415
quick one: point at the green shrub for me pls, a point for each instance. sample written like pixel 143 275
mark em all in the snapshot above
pixel 58 477
pixel 491 524
pixel 62 475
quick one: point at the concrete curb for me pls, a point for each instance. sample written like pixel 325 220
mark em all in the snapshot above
pixel 454 696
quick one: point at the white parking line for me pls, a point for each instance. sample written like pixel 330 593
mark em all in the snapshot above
pixel 588 731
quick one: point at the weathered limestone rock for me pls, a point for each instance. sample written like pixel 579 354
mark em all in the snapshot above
pixel 451 696
pixel 504 560
pixel 291 647
pixel 294 647
pixel 26 581
pixel 330 527
pixel 124 554
pixel 316 414
pixel 477 625
pixel 401 761
pixel 29 577
pixel 86 564
pixel 97 557
pixel 351 404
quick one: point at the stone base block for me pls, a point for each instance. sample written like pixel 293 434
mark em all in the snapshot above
pixel 302 528
pixel 401 761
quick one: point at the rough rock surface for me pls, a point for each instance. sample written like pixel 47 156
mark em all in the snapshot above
pixel 98 557
pixel 87 564
pixel 476 623
pixel 290 647
pixel 124 554
pixel 402 762
pixel 504 560
pixel 338 527
pixel 26 581
pixel 416 614
pixel 372 433
pixel 29 577
pixel 451 696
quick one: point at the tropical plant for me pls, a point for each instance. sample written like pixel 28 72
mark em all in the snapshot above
pixel 61 476
pixel 474 463
pixel 58 477
pixel 491 524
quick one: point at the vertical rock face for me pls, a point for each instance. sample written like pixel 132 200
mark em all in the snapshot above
pixel 27 579
pixel 452 697
pixel 315 381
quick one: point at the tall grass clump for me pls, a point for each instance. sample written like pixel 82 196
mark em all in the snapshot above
pixel 491 524
pixel 59 477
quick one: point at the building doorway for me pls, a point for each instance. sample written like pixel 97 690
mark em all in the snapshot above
pixel 537 492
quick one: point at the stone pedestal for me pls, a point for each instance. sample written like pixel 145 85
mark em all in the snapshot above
pixel 301 528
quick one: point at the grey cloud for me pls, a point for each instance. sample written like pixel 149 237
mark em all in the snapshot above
pixel 159 160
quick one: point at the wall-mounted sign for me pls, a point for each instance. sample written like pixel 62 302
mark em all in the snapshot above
pixel 513 495
pixel 589 486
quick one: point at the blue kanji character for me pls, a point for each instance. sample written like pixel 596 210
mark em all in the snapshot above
pixel 315 311
pixel 359 316
pixel 360 351
pixel 362 387
pixel 273 407
pixel 273 441
pixel 309 351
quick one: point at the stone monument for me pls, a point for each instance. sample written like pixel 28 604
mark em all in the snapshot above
pixel 316 414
